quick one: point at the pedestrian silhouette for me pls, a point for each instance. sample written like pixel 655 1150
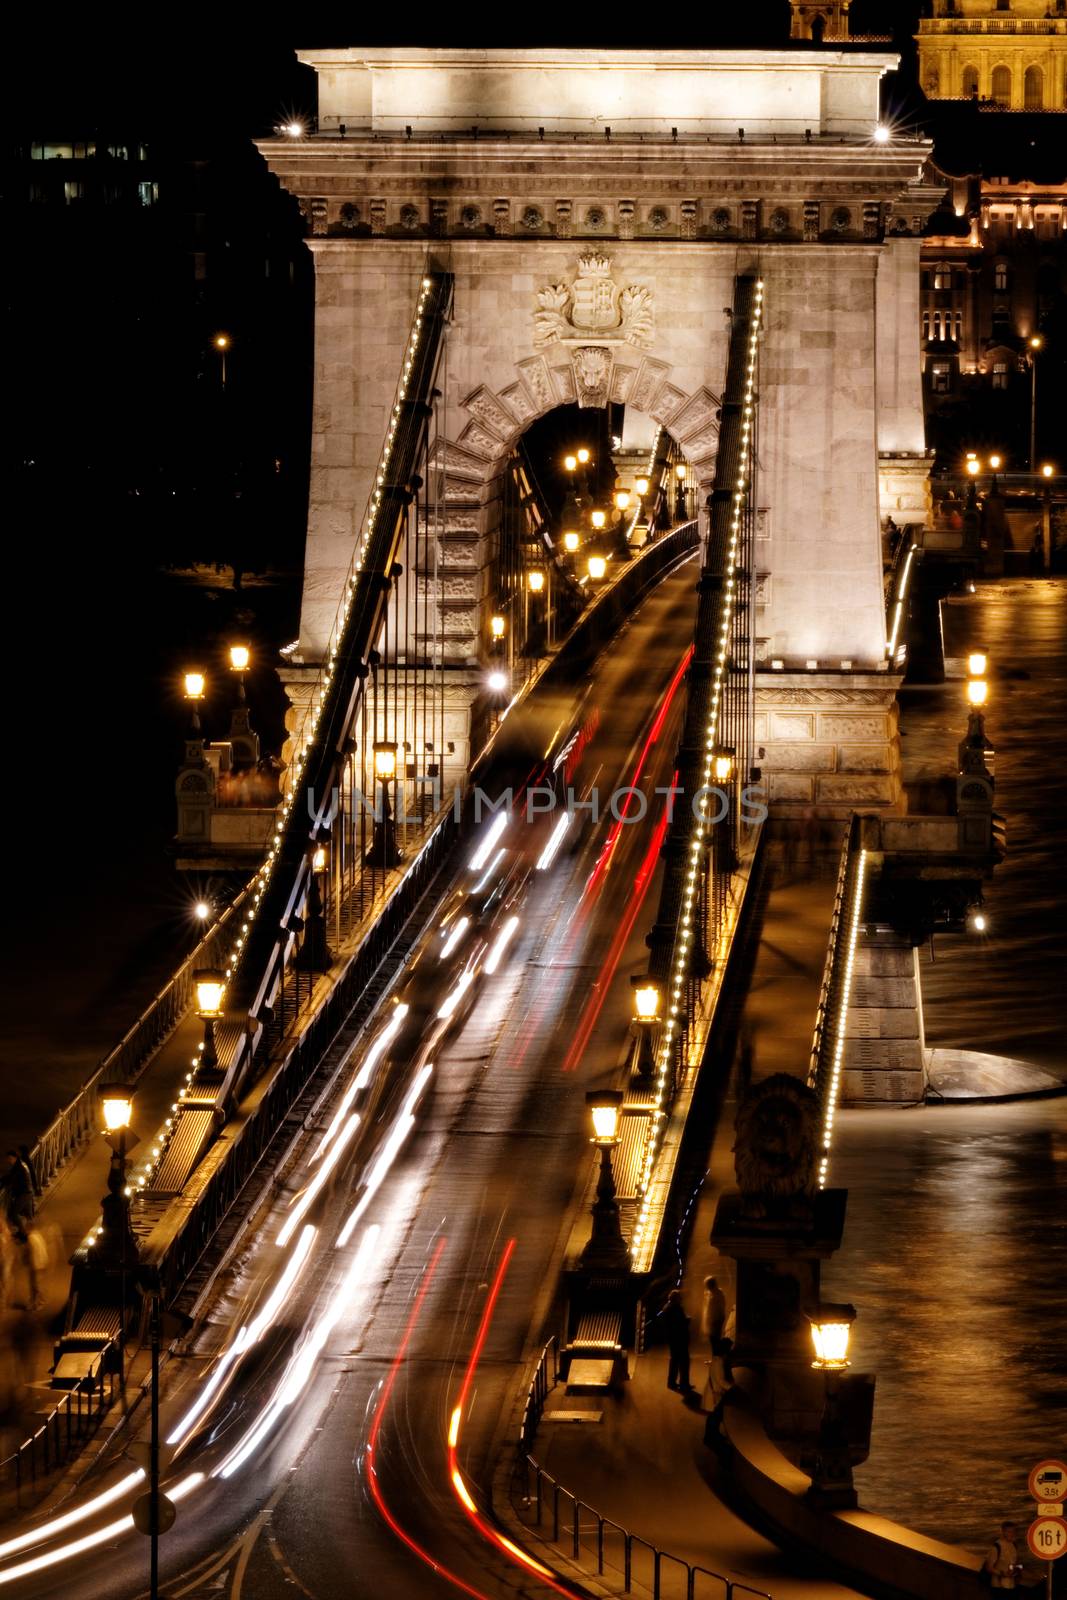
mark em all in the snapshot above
pixel 713 1312
pixel 1002 1563
pixel 676 1326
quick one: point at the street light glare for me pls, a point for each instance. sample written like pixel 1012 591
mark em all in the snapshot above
pixel 1047 470
pixel 995 462
pixel 882 134
pixel 974 466
pixel 571 542
pixel 976 664
pixel 194 685
pixel 201 911
pixel 294 130
pixel 222 341
pixel 570 462
pixel 977 691
pixel 498 682
pixel 117 1105
pixel 598 519
pixel 583 456
pixel 597 567
pixel 240 655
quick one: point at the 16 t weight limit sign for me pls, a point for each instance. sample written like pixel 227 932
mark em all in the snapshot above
pixel 1047 1538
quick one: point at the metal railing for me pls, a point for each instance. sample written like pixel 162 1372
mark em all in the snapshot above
pixel 65 1429
pixel 78 1122
pixel 587 1534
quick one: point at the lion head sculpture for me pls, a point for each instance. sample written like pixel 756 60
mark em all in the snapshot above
pixel 775 1146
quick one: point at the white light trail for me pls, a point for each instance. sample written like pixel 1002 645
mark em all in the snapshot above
pixel 48 1530
pixel 387 1155
pixel 305 1200
pixel 89 1541
pixel 555 839
pixel 490 869
pixel 489 843
pixel 454 996
pixel 454 937
pixel 362 1078
pixel 504 938
pixel 249 1334
pixel 302 1363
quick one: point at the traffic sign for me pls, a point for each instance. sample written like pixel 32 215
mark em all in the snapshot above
pixel 1050 1508
pixel 1047 1538
pixel 1048 1481
pixel 141 1511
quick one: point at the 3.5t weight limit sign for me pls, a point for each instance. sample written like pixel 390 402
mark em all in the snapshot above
pixel 1047 1538
pixel 1048 1482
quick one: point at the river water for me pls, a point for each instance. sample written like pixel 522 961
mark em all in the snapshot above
pixel 955 1248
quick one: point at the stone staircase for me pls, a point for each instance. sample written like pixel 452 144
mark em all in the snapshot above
pixel 885 1056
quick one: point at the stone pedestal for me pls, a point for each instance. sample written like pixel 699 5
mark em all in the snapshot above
pixel 829 739
pixel 904 487
pixel 778 1263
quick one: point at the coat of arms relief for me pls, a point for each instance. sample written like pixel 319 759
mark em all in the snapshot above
pixel 594 306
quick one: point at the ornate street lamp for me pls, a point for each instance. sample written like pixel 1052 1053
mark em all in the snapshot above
pixel 384 851
pixel 647 996
pixel 606 1249
pixel 210 988
pixel 598 519
pixel 641 486
pixel 115 1248
pixel 571 541
pixel 597 568
pixel 831 1476
pixel 315 953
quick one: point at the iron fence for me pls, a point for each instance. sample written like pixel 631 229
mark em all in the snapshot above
pixel 587 1535
pixel 64 1430
pixel 76 1124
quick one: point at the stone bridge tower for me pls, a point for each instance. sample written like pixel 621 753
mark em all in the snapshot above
pixel 595 207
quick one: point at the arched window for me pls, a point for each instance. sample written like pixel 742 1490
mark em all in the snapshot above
pixel 818 29
pixel 1001 87
pixel 1034 89
pixel 932 81
pixel 970 81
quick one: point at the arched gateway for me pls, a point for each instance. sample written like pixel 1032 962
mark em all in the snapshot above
pixel 595 208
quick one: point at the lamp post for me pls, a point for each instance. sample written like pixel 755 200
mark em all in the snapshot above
pixel 831 1477
pixel 222 343
pixel 210 987
pixel 535 586
pixel 606 1249
pixel 645 1022
pixel 1035 343
pixel 116 1246
pixel 597 568
pixel 315 953
pixel 384 851
pixel 679 503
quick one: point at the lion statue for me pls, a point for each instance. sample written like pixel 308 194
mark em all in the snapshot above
pixel 775 1148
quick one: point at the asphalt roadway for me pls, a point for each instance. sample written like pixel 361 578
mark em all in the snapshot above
pixel 326 1457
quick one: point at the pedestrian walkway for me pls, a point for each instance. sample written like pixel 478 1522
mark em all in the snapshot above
pixel 69 1208
pixel 644 1464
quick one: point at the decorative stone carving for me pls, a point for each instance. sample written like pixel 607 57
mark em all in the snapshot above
pixel 659 219
pixel 762 589
pixel 626 219
pixel 697 412
pixel 649 378
pixel 775 1149
pixel 666 403
pixel 563 219
pixel 484 405
pixel 480 440
pixel 622 382
pixel 840 219
pixel 409 217
pixel 689 219
pixel 779 222
pixel 763 522
pixel 470 217
pixel 749 219
pixel 592 371
pixel 518 401
pixel 595 219
pixel 350 217
pixel 770 694
pixel 720 219
pixel 318 216
pixel 533 218
pixel 811 221
pixel 535 376
pixel 872 219
pixel 502 216
pixel 594 303
pixel 439 216
pixel 566 384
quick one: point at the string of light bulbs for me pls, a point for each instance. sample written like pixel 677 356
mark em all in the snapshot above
pixel 684 933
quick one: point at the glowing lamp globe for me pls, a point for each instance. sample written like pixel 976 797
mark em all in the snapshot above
pixel 605 1106
pixel 210 987
pixel 116 1102
pixel 831 1330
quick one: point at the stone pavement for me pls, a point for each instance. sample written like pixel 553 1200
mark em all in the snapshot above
pixel 644 1464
